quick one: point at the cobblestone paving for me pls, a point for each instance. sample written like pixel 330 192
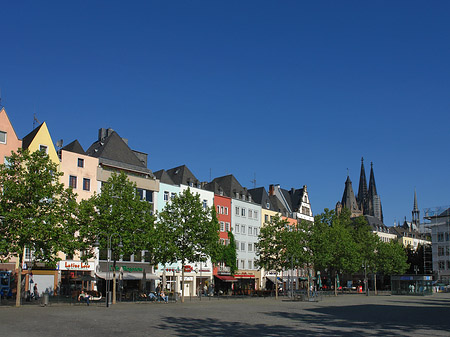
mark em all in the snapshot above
pixel 345 315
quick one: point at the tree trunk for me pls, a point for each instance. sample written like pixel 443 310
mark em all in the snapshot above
pixel 182 282
pixel 114 283
pixel 276 286
pixel 375 283
pixel 335 285
pixel 309 286
pixel 19 284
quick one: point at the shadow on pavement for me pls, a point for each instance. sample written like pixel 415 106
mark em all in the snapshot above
pixel 379 319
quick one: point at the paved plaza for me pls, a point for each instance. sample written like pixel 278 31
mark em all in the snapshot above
pixel 345 315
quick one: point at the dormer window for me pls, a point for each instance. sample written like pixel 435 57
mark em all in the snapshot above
pixel 220 192
pixel 237 195
pixel 80 162
pixel 249 197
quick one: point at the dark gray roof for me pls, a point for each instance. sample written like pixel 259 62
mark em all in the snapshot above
pixel 74 147
pixel 230 186
pixel 26 141
pixel 181 175
pixel 113 151
pixel 163 177
pixel 277 206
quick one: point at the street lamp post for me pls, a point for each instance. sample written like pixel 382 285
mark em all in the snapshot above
pixel 365 278
pixel 108 259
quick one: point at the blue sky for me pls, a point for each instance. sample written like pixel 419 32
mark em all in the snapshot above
pixel 292 92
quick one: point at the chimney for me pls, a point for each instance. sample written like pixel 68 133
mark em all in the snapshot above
pixel 271 190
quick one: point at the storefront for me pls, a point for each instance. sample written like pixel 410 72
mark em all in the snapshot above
pixel 246 283
pixel 75 276
pixel 411 284
pixel 224 284
pixel 132 279
pixel 197 278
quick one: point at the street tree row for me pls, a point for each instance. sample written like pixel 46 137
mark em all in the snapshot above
pixel 38 213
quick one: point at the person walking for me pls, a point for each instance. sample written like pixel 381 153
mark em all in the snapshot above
pixel 35 291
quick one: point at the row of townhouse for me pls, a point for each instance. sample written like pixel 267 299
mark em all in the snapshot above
pixel 238 210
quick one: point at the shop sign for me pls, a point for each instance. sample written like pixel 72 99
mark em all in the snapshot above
pixel 188 268
pixel 127 268
pixel 75 265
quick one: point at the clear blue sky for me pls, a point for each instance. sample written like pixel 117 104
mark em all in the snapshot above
pixel 294 92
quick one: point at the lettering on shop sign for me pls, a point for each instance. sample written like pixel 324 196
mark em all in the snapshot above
pixel 128 269
pixel 74 265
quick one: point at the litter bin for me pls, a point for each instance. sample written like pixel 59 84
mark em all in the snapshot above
pixel 45 298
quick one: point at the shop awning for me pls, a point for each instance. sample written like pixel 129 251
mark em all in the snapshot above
pixel 226 278
pixel 127 276
pixel 272 278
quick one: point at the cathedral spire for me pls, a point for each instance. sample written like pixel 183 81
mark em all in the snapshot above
pixel 374 199
pixel 349 200
pixel 415 221
pixel 362 197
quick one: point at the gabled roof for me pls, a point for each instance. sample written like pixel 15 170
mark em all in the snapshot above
pixel 28 139
pixel 230 186
pixel 181 175
pixel 112 150
pixel 163 177
pixel 74 147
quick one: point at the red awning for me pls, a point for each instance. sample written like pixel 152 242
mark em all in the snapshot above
pixel 226 278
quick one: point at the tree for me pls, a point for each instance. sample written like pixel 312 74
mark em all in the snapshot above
pixel 118 215
pixel 37 211
pixel 271 246
pixel 228 254
pixel 187 232
pixel 333 245
pixel 392 258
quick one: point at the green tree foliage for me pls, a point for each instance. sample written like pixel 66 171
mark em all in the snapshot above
pixel 333 245
pixel 187 231
pixel 37 211
pixel 229 255
pixel 119 215
pixel 271 245
pixel 391 258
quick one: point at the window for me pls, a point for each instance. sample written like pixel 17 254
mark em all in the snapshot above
pixel 440 237
pixel 137 257
pixel 243 246
pixel 250 230
pixel 250 264
pixel 255 231
pixel 268 205
pixel 237 195
pixel 250 247
pixel 237 211
pixel 242 229
pixel 227 226
pixel 166 195
pixel 243 264
pixel 173 195
pixel 218 209
pixel 237 245
pixel 447 250
pixel 249 197
pixel 80 162
pixel 448 264
pixel 86 184
pixel 226 210
pixel 2 137
pixel 446 236
pixel 205 204
pixel 73 182
pixel 148 196
pixel 243 211
pixel 441 265
pixel 266 218
pixel 255 215
pixel 43 148
pixel 236 228
pixel 250 213
pixel 222 226
pixel 221 209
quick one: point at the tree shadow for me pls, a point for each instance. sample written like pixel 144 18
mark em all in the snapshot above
pixel 380 319
pixel 212 327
